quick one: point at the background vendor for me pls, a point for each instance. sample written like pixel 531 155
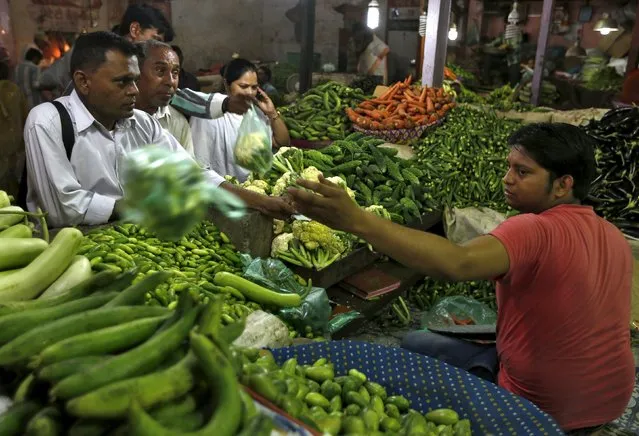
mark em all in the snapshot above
pixel 368 54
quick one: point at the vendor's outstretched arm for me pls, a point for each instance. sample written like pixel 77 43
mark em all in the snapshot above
pixel 482 258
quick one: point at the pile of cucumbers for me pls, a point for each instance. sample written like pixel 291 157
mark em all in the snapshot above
pixel 343 404
pixel 96 360
pixel 30 267
pixel 319 114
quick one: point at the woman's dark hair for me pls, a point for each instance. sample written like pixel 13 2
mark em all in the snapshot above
pixel 267 72
pixel 89 51
pixel 34 55
pixel 236 69
pixel 561 149
pixel 148 17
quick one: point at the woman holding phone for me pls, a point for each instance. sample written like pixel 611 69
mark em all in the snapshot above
pixel 214 140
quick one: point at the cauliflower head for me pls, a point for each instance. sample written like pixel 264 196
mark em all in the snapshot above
pixel 342 184
pixel 280 226
pixel 280 243
pixel 311 173
pixel 253 152
pixel 254 188
pixel 378 210
pixel 282 183
pixel 314 235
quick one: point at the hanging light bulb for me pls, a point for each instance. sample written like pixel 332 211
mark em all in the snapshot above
pixel 372 18
pixel 452 33
pixel 606 25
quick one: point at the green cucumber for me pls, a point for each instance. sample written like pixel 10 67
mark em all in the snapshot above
pixel 76 273
pixel 60 370
pixel 255 292
pixel 14 420
pixel 88 286
pixel 114 400
pixel 134 294
pixel 8 219
pixel 107 340
pixel 139 360
pixel 17 231
pixel 43 270
pixel 12 326
pixel 37 339
pixel 220 376
pixel 19 252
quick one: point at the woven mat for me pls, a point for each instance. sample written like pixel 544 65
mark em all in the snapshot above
pixel 430 384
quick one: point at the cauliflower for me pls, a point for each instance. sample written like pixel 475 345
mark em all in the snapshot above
pixel 280 226
pixel 311 173
pixel 282 183
pixel 254 188
pixel 231 179
pixel 288 159
pixel 342 184
pixel 315 235
pixel 378 210
pixel 262 184
pixel 281 243
pixel 253 152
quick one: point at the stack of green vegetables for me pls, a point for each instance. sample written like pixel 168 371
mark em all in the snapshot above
pixel 615 191
pixel 428 291
pixel 463 161
pixel 194 263
pixel 549 94
pixel 346 404
pixel 319 114
pixel 95 361
pixel 604 79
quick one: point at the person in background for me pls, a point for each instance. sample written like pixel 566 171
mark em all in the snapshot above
pixel 368 55
pixel 563 279
pixel 27 76
pixel 510 42
pixel 139 23
pixel 214 140
pixel 85 188
pixel 159 72
pixel 264 77
pixel 187 80
pixel 13 113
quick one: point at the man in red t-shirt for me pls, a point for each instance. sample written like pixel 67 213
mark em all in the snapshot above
pixel 563 278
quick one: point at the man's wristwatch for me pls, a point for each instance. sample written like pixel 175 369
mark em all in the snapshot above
pixel 225 105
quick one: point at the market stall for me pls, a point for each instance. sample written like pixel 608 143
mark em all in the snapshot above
pixel 93 315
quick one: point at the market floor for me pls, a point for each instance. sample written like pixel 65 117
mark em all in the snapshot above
pixel 389 335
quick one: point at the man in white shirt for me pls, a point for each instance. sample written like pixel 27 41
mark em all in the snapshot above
pixel 85 188
pixel 159 75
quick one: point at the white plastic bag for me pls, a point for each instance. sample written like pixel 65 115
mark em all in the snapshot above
pixel 254 144
pixel 263 330
pixel 462 225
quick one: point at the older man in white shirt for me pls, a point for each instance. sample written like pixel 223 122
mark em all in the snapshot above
pixel 85 187
pixel 159 76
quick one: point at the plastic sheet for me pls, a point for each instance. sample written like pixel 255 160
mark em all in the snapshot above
pixel 168 193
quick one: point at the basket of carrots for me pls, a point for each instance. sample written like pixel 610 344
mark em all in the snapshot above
pixel 404 112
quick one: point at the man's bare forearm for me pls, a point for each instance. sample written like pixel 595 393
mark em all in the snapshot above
pixel 425 252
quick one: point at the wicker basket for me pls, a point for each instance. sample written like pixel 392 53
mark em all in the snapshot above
pixel 398 136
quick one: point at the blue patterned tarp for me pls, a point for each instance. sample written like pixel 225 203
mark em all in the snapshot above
pixel 431 384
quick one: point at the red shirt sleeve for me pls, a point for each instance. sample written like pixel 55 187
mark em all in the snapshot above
pixel 524 237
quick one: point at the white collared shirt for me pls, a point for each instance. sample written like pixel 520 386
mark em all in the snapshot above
pixel 177 125
pixel 84 190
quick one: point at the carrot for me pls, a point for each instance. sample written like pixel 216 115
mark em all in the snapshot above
pixel 429 105
pixel 386 95
pixel 408 80
pixel 422 96
pixel 409 96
